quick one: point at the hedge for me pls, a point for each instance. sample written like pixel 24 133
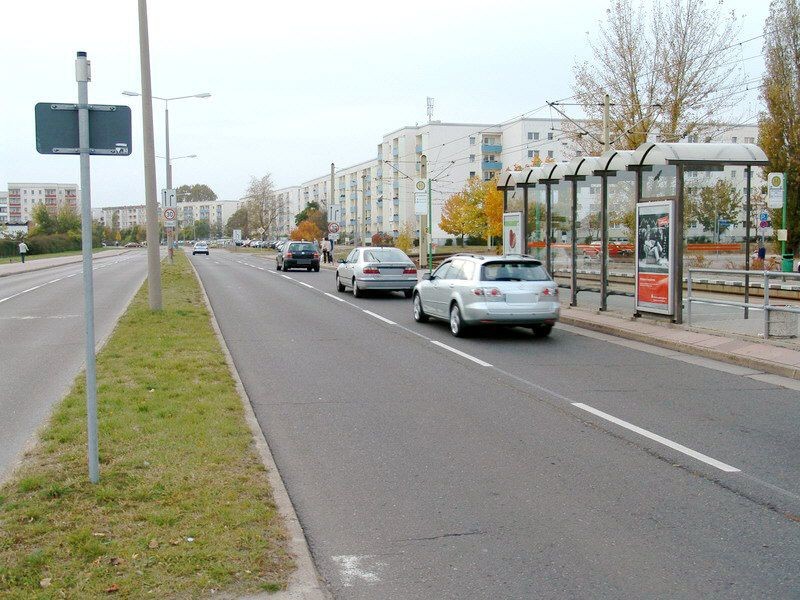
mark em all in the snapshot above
pixel 43 244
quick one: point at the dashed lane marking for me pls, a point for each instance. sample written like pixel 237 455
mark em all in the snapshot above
pixel 460 353
pixel 379 317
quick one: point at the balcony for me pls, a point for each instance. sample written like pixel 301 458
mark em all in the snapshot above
pixel 492 165
pixel 396 201
pixel 395 151
pixel 396 184
pixel 418 149
pixel 341 185
pixel 491 148
pixel 379 220
pixel 353 195
pixel 395 218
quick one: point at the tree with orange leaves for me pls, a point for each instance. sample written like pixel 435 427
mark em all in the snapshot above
pixel 306 230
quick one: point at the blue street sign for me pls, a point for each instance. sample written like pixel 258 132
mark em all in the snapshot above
pixel 764 216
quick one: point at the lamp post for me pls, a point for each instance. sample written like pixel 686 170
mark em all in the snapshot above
pixel 166 130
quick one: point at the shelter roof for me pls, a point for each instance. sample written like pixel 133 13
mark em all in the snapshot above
pixel 651 153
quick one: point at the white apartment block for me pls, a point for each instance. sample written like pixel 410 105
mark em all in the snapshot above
pixel 23 197
pixel 216 212
pixel 125 216
pixel 377 195
pixel 3 206
pixel 289 204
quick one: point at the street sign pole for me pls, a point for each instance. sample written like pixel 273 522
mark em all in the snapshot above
pixel 430 229
pixel 783 221
pixel 83 75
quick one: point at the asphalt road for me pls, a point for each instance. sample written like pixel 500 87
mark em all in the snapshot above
pixel 502 466
pixel 42 328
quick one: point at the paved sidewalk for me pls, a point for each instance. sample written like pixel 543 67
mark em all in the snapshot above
pixel 47 263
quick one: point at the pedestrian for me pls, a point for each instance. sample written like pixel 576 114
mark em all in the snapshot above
pixel 23 249
pixel 326 250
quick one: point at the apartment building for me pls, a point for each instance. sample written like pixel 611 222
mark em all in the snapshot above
pixel 216 212
pixel 289 204
pixel 23 197
pixel 3 206
pixel 377 195
pixel 124 217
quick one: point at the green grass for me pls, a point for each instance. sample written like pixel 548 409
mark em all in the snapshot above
pixel 183 506
pixel 16 259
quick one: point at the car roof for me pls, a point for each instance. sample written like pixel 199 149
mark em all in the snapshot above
pixel 499 258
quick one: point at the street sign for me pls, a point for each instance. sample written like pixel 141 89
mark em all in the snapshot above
pixel 420 203
pixel 57 129
pixel 333 228
pixel 237 236
pixel 334 237
pixel 775 190
pixel 260 230
pixel 763 224
pixel 170 214
pixel 168 199
pixel 763 216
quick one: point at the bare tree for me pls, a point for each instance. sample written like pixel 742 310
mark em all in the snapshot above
pixel 668 71
pixel 263 205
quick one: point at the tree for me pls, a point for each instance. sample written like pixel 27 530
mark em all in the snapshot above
pixel 199 192
pixel 663 69
pixel 115 224
pixel 202 229
pixel 492 203
pixel 722 201
pixel 43 222
pixel 405 239
pixel 462 215
pixel 67 220
pixel 263 206
pixel 306 230
pixel 779 125
pixel 303 214
pixel 238 220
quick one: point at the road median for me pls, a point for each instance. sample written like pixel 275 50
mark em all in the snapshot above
pixel 183 508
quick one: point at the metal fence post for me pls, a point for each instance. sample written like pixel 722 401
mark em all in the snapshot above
pixel 689 298
pixel 766 304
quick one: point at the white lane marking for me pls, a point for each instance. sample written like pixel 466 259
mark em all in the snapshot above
pixel 36 287
pixel 334 297
pixel 286 277
pixel 657 438
pixel 55 280
pixel 352 570
pixel 377 316
pixel 460 353
pixel 260 268
pixel 307 285
pixel 217 263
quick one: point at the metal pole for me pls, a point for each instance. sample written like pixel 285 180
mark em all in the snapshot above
pixel 525 218
pixel 549 228
pixel 606 104
pixel 689 298
pixel 604 240
pixel 748 177
pixel 574 274
pixel 677 245
pixel 82 76
pixel 151 202
pixel 423 220
pixel 169 178
pixel 783 221
pixel 364 209
pixel 331 211
pixel 430 228
pixel 766 304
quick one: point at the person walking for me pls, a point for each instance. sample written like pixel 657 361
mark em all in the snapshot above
pixel 326 250
pixel 23 250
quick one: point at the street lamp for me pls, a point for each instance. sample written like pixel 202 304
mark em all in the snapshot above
pixel 166 129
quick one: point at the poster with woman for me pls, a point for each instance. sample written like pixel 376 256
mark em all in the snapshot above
pixel 654 253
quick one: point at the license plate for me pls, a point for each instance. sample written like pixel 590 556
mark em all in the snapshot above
pixel 521 298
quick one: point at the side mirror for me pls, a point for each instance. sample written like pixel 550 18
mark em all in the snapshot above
pixel 427 276
pixel 342 261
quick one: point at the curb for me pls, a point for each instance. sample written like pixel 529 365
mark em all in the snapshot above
pixel 742 361
pixel 78 257
pixel 305 583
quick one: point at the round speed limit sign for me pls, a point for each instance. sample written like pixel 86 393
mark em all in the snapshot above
pixel 333 228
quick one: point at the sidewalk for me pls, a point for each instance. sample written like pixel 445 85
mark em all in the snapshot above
pixel 48 263
pixel 754 354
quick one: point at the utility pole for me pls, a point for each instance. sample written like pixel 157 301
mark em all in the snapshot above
pixel 363 209
pixel 151 204
pixel 83 76
pixel 423 221
pixel 606 104
pixel 169 180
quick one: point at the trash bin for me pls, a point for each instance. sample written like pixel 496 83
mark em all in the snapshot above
pixel 787 264
pixel 785 325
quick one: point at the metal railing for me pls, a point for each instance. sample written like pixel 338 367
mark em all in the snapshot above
pixel 746 305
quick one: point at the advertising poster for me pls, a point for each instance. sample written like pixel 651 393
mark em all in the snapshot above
pixel 654 257
pixel 512 233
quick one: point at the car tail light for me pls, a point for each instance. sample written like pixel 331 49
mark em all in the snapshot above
pixel 288 255
pixel 316 254
pixel 488 292
pixel 410 271
pixel 550 292
pixel 371 271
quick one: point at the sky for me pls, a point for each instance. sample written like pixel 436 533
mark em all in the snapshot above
pixel 295 85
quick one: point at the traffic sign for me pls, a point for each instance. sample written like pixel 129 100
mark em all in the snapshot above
pixel 333 227
pixel 170 214
pixel 764 216
pixel 775 190
pixel 57 129
pixel 168 199
pixel 764 224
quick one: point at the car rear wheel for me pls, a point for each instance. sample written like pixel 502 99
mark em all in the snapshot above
pixel 408 293
pixel 419 314
pixel 308 269
pixel 316 269
pixel 457 327
pixel 541 331
pixel 339 286
pixel 357 293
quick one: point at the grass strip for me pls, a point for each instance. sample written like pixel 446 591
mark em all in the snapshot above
pixel 183 506
pixel 29 257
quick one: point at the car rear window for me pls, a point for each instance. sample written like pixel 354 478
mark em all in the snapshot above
pixel 385 255
pixel 513 271
pixel 305 247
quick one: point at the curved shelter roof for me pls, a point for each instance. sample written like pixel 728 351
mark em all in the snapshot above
pixel 528 177
pixel 614 160
pixel 581 166
pixel 552 171
pixel 651 153
pixel 506 181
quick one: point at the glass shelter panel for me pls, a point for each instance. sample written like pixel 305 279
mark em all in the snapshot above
pixel 537 221
pixel 562 225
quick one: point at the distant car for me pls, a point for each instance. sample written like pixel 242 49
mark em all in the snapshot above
pixel 200 248
pixel 133 245
pixel 298 254
pixel 468 290
pixel 376 268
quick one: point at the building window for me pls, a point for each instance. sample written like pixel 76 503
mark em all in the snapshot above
pixel 734 139
pixel 535 135
pixel 530 135
pixel 536 153
pixel 549 154
pixel 472 174
pixel 471 141
pixel 749 140
pixel 549 135
pixel 733 174
pixel 530 153
pixel 471 158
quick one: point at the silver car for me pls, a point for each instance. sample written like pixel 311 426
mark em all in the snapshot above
pixel 376 268
pixel 469 290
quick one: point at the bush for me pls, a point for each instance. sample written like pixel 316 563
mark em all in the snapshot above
pixel 448 242
pixel 44 244
pixel 382 239
pixel 476 240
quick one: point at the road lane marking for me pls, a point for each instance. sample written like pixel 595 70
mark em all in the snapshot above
pixel 334 297
pixel 657 438
pixel 36 287
pixel 307 285
pixel 55 280
pixel 460 353
pixel 377 316
pixel 286 277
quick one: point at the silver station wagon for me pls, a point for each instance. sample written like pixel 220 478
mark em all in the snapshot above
pixel 468 290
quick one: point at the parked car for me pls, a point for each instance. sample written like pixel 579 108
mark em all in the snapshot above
pixel 200 248
pixel 133 245
pixel 298 254
pixel 376 268
pixel 469 290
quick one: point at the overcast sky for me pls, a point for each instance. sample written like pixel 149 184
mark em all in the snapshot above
pixel 295 85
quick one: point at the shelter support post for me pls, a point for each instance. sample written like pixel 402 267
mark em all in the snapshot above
pixel 604 243
pixel 748 174
pixel 677 287
pixel 525 219
pixel 574 230
pixel 549 231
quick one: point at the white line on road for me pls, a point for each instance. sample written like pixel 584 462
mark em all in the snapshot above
pixel 307 285
pixel 334 297
pixel 286 277
pixel 377 316
pixel 460 353
pixel 36 287
pixel 657 438
pixel 55 280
